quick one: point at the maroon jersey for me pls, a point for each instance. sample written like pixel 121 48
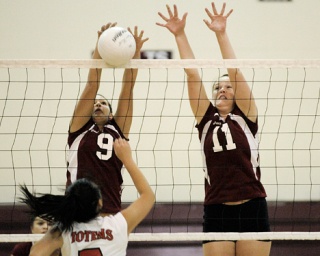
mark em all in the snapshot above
pixel 91 156
pixel 22 249
pixel 230 157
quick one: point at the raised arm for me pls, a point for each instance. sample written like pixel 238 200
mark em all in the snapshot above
pixel 84 107
pixel 124 112
pixel 139 209
pixel 243 95
pixel 199 101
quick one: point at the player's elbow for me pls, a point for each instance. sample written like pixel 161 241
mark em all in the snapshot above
pixel 152 198
pixel 149 198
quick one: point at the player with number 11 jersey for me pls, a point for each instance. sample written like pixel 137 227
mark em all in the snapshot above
pixel 230 157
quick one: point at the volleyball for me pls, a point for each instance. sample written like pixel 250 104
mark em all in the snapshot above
pixel 116 46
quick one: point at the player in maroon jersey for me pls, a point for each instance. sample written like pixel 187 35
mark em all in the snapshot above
pixel 234 196
pixel 94 127
pixel 37 226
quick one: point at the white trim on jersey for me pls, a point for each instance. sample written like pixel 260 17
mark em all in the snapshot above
pixel 112 128
pixel 73 156
pixel 203 137
pixel 253 142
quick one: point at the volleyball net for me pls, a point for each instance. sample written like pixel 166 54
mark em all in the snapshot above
pixel 37 99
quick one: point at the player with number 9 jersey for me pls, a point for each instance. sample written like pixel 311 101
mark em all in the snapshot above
pixel 91 156
pixel 94 127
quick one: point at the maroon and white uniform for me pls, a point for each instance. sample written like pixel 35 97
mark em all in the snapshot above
pixel 91 156
pixel 101 236
pixel 22 249
pixel 230 157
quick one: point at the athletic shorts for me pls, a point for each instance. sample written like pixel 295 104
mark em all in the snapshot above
pixel 251 216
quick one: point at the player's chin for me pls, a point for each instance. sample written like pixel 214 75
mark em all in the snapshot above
pixel 218 103
pixel 100 118
pixel 98 114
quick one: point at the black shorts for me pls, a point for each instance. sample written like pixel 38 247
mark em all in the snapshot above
pixel 251 216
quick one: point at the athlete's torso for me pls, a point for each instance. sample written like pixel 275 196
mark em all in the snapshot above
pixel 231 159
pixel 101 236
pixel 91 156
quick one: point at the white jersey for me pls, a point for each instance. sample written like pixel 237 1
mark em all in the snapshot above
pixel 101 236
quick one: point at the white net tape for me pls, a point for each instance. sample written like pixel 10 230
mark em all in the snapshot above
pixel 197 236
pixel 198 63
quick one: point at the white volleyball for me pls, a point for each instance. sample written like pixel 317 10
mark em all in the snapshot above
pixel 116 46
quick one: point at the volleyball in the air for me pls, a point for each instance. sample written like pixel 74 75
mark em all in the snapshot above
pixel 116 46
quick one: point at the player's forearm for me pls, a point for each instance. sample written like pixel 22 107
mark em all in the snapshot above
pixel 185 52
pixel 184 47
pixel 226 49
pixel 129 77
pixel 94 75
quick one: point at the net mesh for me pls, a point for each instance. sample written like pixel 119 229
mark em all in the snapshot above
pixel 38 98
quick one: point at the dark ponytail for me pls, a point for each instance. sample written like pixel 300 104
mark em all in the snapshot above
pixel 79 204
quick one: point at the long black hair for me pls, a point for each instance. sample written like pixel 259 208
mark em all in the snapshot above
pixel 79 204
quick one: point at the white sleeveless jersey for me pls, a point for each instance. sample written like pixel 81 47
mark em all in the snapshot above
pixel 101 236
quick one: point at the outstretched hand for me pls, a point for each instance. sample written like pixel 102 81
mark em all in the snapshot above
pixel 105 27
pixel 173 23
pixel 122 149
pixel 96 54
pixel 218 21
pixel 138 37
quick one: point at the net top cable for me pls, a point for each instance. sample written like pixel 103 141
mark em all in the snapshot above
pixel 163 63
